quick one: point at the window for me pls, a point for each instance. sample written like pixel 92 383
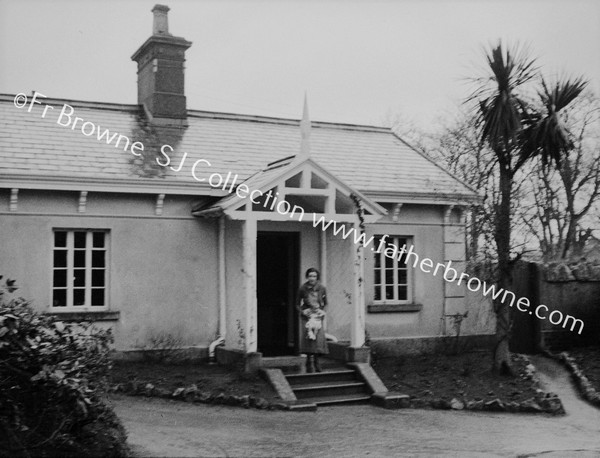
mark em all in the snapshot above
pixel 79 270
pixel 392 275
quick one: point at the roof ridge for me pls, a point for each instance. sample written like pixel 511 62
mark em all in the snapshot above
pixel 79 103
pixel 208 114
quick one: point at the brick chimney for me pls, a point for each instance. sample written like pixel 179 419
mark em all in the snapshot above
pixel 160 72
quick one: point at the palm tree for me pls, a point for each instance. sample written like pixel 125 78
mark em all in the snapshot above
pixel 548 136
pixel 516 132
pixel 501 116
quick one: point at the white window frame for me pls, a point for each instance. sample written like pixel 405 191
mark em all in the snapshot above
pixel 392 240
pixel 70 248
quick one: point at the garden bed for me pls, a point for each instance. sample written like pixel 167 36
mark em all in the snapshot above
pixel 463 381
pixel 466 381
pixel 206 383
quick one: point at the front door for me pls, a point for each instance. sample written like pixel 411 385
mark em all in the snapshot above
pixel 277 283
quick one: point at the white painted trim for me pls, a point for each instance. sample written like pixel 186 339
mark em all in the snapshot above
pixel 357 328
pixel 306 166
pixel 99 215
pixel 447 214
pixel 308 218
pixel 82 201
pixel 160 201
pixel 14 200
pixel 422 198
pixel 109 185
pixel 306 192
pixel 323 257
pixel 396 214
pixel 249 262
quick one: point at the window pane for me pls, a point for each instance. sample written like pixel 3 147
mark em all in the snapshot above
pixel 98 258
pixel 60 278
pixel 377 277
pixel 79 260
pixel 79 277
pixel 98 277
pixel 80 239
pixel 389 292
pixel 60 258
pixel 389 276
pixel 78 296
pixel 402 260
pixel 59 298
pixel 377 260
pixel 402 292
pixel 377 296
pixel 389 262
pixel 402 277
pixel 98 296
pixel 60 239
pixel 98 239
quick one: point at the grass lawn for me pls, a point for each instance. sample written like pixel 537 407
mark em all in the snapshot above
pixel 588 360
pixel 466 377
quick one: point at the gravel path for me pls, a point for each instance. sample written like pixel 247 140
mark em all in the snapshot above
pixel 169 428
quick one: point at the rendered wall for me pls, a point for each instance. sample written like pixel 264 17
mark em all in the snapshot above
pixel 161 274
pixel 436 236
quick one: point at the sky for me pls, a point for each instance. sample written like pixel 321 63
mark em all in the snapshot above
pixel 360 62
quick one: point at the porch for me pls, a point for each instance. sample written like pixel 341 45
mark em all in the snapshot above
pixel 269 233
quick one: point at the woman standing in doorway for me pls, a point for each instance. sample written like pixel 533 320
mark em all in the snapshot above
pixel 311 302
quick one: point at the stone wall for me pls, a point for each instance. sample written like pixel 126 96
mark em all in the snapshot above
pixel 572 288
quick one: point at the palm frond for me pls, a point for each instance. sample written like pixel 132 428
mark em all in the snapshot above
pixel 547 133
pixel 501 107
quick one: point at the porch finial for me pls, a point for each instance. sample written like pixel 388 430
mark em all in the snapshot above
pixel 305 130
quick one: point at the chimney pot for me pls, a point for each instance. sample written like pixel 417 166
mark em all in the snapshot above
pixel 161 20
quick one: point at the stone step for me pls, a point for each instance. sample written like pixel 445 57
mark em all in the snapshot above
pixel 338 399
pixel 326 389
pixel 285 363
pixel 344 375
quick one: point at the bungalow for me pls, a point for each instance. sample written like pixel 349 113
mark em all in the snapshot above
pixel 192 229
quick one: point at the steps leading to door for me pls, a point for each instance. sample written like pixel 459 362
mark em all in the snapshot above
pixel 339 383
pixel 330 387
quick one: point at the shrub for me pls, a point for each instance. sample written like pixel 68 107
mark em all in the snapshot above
pixel 52 378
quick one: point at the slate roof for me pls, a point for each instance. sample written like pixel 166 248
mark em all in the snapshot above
pixel 370 159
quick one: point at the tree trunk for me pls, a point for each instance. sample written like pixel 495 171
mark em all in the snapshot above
pixel 567 177
pixel 502 363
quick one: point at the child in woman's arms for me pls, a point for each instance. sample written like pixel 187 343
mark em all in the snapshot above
pixel 315 321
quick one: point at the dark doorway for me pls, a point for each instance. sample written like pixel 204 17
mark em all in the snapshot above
pixel 277 264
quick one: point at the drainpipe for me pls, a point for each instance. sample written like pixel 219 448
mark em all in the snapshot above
pixel 222 292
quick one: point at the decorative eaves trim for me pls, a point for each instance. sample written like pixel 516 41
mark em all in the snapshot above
pixel 142 186
pixel 424 198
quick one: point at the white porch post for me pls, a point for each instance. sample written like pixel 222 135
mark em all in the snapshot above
pixel 250 284
pixel 357 331
pixel 323 256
